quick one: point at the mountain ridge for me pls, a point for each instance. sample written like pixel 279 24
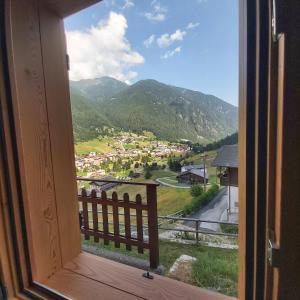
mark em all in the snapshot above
pixel 168 111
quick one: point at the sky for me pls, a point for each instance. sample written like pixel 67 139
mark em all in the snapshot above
pixel 187 43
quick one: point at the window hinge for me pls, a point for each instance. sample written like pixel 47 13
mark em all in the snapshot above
pixel 3 292
pixel 273 252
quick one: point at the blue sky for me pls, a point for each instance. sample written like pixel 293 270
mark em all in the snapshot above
pixel 188 43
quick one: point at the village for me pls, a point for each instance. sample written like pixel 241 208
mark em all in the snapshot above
pixel 125 153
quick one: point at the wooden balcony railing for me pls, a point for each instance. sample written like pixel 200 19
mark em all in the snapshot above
pixel 100 217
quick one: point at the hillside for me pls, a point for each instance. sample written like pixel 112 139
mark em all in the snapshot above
pixel 169 112
pixel 86 120
pixel 98 89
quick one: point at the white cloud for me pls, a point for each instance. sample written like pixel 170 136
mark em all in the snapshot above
pixel 192 25
pixel 165 40
pixel 158 13
pixel 171 53
pixel 103 51
pixel 149 41
pixel 128 4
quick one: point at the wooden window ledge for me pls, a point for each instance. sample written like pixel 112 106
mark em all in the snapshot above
pixel 90 277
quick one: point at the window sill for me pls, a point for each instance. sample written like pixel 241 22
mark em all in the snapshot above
pixel 89 276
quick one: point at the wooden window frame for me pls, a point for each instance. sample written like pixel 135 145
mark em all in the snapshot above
pixel 256 150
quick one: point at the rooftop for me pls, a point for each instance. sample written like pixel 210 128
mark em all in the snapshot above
pixel 227 157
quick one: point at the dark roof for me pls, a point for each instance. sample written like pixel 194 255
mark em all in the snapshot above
pixel 198 172
pixel 227 157
pixel 190 167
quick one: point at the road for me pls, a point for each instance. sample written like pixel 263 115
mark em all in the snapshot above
pixel 212 212
pixel 171 185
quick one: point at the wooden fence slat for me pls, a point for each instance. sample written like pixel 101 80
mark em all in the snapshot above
pixel 139 221
pixel 91 228
pixel 109 202
pixel 153 227
pixel 95 215
pixel 122 239
pixel 116 217
pixel 105 217
pixel 85 213
pixel 127 220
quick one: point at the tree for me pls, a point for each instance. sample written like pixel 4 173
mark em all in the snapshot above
pixel 148 174
pixel 196 190
pixel 174 164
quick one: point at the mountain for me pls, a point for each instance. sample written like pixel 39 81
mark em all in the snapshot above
pixel 169 112
pixel 98 89
pixel 86 120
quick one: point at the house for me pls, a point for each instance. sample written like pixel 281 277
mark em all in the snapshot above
pixel 190 167
pixel 193 176
pixel 100 185
pixel 227 162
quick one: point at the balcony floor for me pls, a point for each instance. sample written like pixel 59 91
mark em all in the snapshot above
pixel 91 277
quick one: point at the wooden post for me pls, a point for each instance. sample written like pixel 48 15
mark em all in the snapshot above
pixel 197 233
pixel 204 164
pixel 85 213
pixel 105 218
pixel 139 222
pixel 116 217
pixel 127 220
pixel 95 215
pixel 152 226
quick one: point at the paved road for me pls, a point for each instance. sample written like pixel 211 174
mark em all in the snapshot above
pixel 213 212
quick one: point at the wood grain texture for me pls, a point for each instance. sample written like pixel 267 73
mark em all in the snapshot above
pixel 61 132
pixel 130 279
pixel 78 287
pixel 32 129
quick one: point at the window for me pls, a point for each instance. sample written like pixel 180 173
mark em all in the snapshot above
pixel 37 208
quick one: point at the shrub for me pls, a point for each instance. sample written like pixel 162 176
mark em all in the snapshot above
pixel 200 201
pixel 196 190
pixel 228 228
pixel 148 174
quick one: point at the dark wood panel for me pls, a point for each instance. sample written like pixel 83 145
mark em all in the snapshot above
pixel 139 221
pixel 127 220
pixel 116 217
pixel 287 211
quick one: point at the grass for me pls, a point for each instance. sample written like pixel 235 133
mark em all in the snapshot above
pixel 214 268
pixel 95 145
pixel 171 200
pixel 228 228
pixel 162 173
